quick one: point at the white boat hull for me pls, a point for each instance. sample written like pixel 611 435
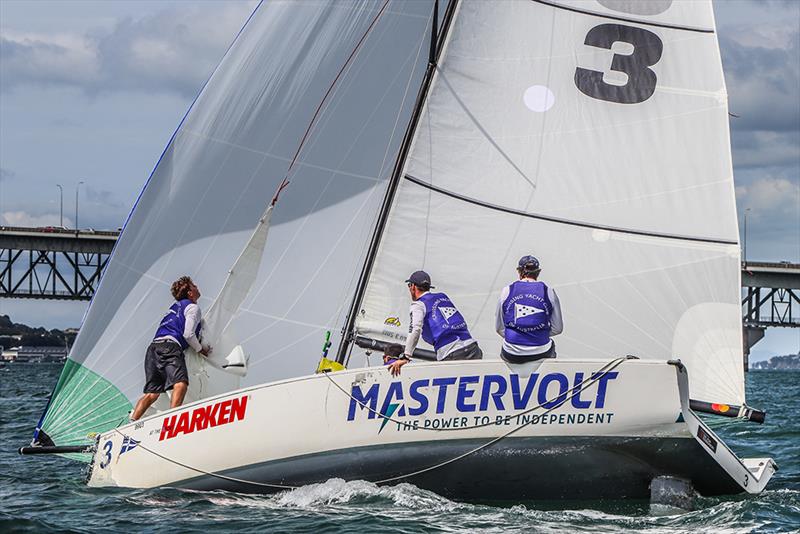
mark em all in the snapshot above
pixel 626 428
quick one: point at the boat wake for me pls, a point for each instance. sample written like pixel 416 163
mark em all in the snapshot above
pixel 338 492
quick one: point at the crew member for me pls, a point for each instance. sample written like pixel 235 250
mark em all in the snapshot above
pixel 393 358
pixel 164 362
pixel 528 314
pixel 438 321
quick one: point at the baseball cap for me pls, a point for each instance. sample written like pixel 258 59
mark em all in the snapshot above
pixel 529 262
pixel 420 279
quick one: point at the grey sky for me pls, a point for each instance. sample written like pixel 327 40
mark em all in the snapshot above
pixel 92 91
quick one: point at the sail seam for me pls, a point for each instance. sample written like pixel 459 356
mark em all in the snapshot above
pixel 565 221
pixel 623 19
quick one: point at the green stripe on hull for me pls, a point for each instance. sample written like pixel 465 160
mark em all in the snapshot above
pixel 83 405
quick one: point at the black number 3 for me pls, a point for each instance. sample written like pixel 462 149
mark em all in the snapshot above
pixel 641 85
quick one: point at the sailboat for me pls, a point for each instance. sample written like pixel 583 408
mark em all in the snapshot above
pixel 455 139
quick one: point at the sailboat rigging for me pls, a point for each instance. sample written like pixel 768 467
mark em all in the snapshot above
pixel 531 130
pixel 436 40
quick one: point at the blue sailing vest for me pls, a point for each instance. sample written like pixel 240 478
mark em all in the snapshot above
pixel 526 314
pixel 174 322
pixel 443 323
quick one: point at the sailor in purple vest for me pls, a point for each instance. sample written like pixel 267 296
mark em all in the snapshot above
pixel 528 315
pixel 164 363
pixel 438 321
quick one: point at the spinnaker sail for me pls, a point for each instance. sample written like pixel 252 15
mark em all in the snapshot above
pixel 224 162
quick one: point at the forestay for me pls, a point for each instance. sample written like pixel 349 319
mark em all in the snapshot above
pixel 217 176
pixel 594 135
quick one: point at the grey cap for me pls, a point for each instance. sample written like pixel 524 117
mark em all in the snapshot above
pixel 529 263
pixel 420 279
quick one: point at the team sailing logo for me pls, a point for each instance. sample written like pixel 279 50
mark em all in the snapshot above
pixel 220 413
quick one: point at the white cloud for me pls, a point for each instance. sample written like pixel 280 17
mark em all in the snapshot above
pixel 775 36
pixel 762 148
pixel 39 58
pixel 770 196
pixel 23 218
pixel 173 50
pixel 763 76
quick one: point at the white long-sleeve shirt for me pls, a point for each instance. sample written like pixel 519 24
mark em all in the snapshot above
pixel 417 312
pixel 556 324
pixel 193 317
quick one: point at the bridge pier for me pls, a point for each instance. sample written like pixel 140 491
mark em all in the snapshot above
pixel 752 335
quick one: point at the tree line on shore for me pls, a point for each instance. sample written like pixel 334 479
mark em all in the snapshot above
pixel 17 334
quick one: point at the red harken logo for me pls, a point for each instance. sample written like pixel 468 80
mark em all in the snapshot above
pixel 204 417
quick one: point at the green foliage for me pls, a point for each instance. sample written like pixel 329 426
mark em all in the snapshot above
pixel 30 336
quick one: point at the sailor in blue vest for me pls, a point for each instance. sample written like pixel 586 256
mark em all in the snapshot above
pixel 164 363
pixel 528 314
pixel 438 321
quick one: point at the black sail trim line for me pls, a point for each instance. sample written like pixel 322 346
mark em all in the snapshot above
pixel 623 19
pixel 559 220
pixel 394 182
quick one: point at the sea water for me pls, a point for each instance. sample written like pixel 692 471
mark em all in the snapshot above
pixel 43 493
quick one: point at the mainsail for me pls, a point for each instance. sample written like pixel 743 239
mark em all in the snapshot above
pixel 218 172
pixel 594 135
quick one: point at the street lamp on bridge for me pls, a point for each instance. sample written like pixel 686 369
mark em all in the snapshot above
pixel 744 253
pixel 61 205
pixel 77 187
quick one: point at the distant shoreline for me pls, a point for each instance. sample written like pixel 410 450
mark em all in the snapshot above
pixel 788 362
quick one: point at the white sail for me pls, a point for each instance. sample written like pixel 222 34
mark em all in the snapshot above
pixel 220 169
pixel 594 135
pixel 217 329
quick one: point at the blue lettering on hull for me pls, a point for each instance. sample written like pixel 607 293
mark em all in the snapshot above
pixel 480 393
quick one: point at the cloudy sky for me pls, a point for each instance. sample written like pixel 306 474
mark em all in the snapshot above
pixel 92 90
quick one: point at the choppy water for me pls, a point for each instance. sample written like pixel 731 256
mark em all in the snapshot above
pixel 47 493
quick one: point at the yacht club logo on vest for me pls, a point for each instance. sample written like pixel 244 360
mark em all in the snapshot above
pixel 478 393
pixel 220 413
pixel 447 312
pixel 521 310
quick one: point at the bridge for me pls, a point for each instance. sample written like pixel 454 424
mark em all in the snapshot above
pixel 772 299
pixel 56 263
pixel 52 262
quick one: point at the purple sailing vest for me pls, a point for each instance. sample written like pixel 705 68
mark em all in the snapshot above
pixel 174 322
pixel 443 323
pixel 526 314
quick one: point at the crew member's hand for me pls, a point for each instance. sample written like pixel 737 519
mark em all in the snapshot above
pixel 206 350
pixel 395 366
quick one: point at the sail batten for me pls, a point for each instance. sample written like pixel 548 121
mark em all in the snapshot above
pixel 569 222
pixel 574 7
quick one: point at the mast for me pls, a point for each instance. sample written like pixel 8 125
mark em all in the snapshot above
pixel 435 52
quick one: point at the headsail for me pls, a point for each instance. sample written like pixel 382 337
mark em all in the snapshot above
pixel 222 166
pixel 222 370
pixel 594 135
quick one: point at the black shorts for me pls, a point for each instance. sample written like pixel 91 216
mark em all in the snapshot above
pixel 470 352
pixel 514 358
pixel 164 366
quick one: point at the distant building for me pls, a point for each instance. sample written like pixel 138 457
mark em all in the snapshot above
pixel 10 354
pixel 40 355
